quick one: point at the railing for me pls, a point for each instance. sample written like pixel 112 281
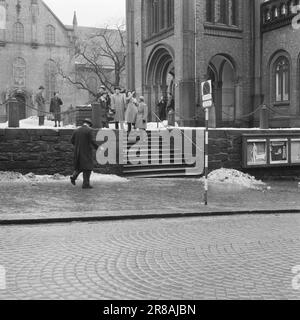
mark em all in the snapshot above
pixel 277 13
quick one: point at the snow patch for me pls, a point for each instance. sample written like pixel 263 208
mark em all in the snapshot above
pixel 235 177
pixel 32 178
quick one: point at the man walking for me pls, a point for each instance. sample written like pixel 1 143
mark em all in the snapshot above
pixel 84 143
pixel 40 101
pixel 55 108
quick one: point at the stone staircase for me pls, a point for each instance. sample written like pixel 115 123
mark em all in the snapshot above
pixel 151 156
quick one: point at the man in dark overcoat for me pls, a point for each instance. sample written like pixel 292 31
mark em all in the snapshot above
pixel 83 141
pixel 40 101
pixel 55 108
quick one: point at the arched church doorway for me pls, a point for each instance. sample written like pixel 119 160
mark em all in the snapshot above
pixel 223 74
pixel 160 77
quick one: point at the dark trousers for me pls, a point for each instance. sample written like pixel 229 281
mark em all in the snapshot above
pixel 86 176
pixel 41 120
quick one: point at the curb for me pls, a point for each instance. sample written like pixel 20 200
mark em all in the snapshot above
pixel 38 221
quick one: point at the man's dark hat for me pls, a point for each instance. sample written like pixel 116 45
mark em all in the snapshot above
pixel 41 88
pixel 117 87
pixel 89 121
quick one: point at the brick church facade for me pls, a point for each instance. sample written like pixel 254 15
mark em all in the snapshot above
pixel 32 39
pixel 248 48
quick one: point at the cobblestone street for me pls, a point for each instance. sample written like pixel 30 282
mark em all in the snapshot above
pixel 244 257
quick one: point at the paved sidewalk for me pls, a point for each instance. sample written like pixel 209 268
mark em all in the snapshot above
pixel 145 198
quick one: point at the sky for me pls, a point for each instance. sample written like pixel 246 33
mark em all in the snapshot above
pixel 90 13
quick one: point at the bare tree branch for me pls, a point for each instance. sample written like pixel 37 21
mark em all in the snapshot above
pixel 101 55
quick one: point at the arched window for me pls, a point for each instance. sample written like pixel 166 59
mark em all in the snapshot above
pixel 222 11
pixel 50 34
pixel 50 79
pixel 160 15
pixel 282 79
pixel 18 32
pixel 210 10
pixel 19 72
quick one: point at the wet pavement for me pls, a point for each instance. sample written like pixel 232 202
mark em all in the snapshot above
pixel 59 199
pixel 241 257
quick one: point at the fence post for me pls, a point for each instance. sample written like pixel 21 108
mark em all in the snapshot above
pixel 264 117
pixel 13 113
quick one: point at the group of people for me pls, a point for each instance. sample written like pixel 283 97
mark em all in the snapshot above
pixel 55 107
pixel 124 108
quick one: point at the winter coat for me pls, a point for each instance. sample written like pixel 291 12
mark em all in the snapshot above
pixel 162 110
pixel 131 111
pixel 83 141
pixel 40 101
pixel 118 103
pixel 142 116
pixel 55 107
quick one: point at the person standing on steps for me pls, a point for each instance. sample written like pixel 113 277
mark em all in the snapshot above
pixel 131 110
pixel 118 105
pixel 83 141
pixel 142 115
pixel 55 108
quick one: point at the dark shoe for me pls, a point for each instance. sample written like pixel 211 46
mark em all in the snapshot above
pixel 73 181
pixel 87 187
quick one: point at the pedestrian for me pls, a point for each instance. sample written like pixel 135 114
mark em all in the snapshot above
pixel 55 108
pixel 118 105
pixel 170 103
pixel 83 141
pixel 161 106
pixel 142 115
pixel 40 102
pixel 131 110
pixel 103 101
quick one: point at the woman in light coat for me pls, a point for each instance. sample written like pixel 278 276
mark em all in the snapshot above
pixel 142 115
pixel 131 110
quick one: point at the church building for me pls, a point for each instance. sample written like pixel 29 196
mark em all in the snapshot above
pixel 32 41
pixel 248 48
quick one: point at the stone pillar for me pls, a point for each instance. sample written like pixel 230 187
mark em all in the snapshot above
pixel 98 115
pixel 238 106
pixel 218 103
pixel 130 57
pixel 258 94
pixel 13 113
pixel 185 64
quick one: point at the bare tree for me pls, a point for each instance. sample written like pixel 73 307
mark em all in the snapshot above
pixel 101 56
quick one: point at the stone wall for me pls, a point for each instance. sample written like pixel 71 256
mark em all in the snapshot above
pixel 41 151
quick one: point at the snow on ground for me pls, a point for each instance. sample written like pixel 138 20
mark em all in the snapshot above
pixel 235 178
pixel 32 178
pixel 33 122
